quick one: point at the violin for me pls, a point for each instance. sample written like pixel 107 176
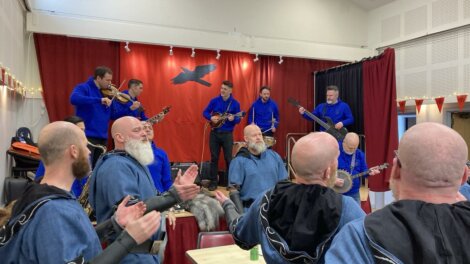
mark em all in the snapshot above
pixel 112 92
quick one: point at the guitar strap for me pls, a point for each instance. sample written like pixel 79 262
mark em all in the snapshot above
pixel 353 161
pixel 228 107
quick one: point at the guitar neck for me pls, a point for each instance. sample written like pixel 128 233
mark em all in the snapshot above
pixel 155 119
pixel 360 174
pixel 318 120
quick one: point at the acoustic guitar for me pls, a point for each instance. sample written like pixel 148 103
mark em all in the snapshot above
pixel 344 175
pixel 329 126
pixel 223 117
pixel 159 117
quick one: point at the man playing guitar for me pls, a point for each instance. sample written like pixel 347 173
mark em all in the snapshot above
pixel 223 107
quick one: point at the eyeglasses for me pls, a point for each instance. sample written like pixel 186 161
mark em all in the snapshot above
pixel 398 159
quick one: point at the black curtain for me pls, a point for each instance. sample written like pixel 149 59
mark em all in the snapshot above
pixel 348 78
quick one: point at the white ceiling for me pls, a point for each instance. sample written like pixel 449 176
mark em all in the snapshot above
pixel 371 4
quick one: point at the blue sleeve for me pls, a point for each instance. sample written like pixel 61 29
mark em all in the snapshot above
pixel 208 111
pixel 143 117
pixel 247 226
pixel 348 118
pixel 351 211
pixel 166 173
pixel 350 245
pixel 276 114
pixel 80 96
pixel 39 172
pixel 236 175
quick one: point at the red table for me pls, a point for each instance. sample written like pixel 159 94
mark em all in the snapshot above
pixel 183 238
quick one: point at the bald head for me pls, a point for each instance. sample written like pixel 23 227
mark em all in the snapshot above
pixel 55 138
pixel 432 155
pixel 250 130
pixel 126 128
pixel 314 154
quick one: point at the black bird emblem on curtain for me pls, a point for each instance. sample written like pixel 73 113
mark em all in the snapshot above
pixel 196 75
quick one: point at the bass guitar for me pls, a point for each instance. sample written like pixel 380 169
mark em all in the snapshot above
pixel 223 118
pixel 344 175
pixel 329 126
pixel 159 117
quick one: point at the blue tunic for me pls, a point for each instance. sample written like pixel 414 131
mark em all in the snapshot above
pixel 59 232
pixel 338 112
pixel 465 190
pixel 160 170
pixel 248 229
pixel 256 175
pixel 360 165
pixel 86 97
pixel 218 105
pixel 77 185
pixel 264 113
pixel 123 109
pixel 116 175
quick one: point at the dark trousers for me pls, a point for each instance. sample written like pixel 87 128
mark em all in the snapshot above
pixel 217 140
pixel 96 152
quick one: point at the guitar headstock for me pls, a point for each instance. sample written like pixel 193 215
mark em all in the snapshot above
pixel 166 109
pixel 293 101
pixel 383 166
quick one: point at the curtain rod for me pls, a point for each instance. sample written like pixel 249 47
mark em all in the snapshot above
pixel 350 63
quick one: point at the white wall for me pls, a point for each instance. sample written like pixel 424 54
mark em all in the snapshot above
pixel 333 29
pixel 15 110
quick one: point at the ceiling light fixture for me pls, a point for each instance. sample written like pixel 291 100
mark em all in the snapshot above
pixel 127 47
pixel 280 60
pixel 171 50
pixel 218 55
pixel 256 58
pixel 193 53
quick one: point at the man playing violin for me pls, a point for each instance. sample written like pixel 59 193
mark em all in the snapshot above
pixel 129 104
pixel 220 106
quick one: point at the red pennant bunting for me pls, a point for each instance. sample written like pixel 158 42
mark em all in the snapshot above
pixel 2 76
pixel 461 100
pixel 439 102
pixel 402 105
pixel 419 102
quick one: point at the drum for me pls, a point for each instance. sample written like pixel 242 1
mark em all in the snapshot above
pixel 270 141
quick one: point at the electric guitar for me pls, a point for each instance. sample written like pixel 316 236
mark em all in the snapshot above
pixel 344 175
pixel 223 117
pixel 329 126
pixel 159 117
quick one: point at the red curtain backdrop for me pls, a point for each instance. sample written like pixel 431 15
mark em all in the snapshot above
pixel 183 133
pixel 292 78
pixel 64 62
pixel 380 115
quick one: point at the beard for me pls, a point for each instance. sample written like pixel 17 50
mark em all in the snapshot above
pixel 331 181
pixel 81 167
pixel 141 151
pixel 258 148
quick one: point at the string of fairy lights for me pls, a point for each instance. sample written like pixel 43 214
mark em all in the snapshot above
pixel 8 80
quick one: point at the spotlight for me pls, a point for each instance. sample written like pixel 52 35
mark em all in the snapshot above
pixel 256 58
pixel 218 55
pixel 280 60
pixel 171 50
pixel 127 47
pixel 193 53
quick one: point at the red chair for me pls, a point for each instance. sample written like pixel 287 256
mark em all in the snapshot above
pixel 214 239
